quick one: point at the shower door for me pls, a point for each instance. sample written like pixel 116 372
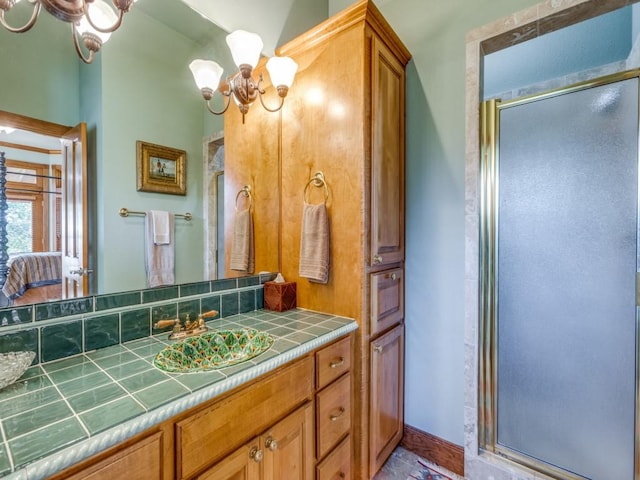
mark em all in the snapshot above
pixel 559 261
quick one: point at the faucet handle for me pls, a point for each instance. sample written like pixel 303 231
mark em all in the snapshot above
pixel 210 313
pixel 164 323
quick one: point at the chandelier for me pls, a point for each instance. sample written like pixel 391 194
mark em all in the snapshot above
pixel 91 20
pixel 245 49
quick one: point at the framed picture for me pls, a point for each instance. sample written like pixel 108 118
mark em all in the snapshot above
pixel 161 169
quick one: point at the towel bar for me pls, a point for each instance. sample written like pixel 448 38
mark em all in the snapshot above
pixel 246 191
pixel 125 212
pixel 317 180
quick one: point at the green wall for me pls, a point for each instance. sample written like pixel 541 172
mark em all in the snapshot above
pixel 39 70
pixel 434 31
pixel 138 88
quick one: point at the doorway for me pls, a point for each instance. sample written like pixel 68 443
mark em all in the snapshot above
pixel 558 263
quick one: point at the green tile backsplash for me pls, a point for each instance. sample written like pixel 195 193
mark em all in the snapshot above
pixel 117 300
pixel 62 340
pixel 69 327
pixel 247 301
pixel 47 311
pixel 15 316
pixel 229 304
pixel 103 331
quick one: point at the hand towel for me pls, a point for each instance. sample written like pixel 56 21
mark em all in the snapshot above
pixel 314 243
pixel 159 259
pixel 160 222
pixel 242 248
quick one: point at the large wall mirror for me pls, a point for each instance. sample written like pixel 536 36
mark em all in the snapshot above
pixel 139 88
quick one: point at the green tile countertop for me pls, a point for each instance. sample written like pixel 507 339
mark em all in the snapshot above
pixel 62 412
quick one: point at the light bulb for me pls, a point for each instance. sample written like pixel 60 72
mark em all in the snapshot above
pixel 206 73
pixel 245 47
pixel 102 15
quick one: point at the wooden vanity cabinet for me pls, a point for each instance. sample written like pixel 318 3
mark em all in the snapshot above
pixel 333 410
pixel 386 408
pixel 210 434
pixel 285 451
pixel 265 430
pixel 141 460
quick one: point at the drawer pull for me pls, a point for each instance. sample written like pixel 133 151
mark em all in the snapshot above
pixel 341 411
pixel 271 444
pixel 256 455
pixel 392 276
pixel 337 363
pixel 377 348
pixel 377 259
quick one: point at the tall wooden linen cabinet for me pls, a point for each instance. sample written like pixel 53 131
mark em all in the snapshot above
pixel 345 116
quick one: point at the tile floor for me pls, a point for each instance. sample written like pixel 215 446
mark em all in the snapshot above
pixel 402 462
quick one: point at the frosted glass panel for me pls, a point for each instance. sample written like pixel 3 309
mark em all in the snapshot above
pixel 567 235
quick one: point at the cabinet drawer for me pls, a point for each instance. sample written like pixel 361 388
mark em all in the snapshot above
pixel 387 299
pixel 216 431
pixel 333 414
pixel 337 465
pixel 333 361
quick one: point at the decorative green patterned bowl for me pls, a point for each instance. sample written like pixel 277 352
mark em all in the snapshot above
pixel 213 350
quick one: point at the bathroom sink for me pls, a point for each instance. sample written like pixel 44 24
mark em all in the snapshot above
pixel 213 350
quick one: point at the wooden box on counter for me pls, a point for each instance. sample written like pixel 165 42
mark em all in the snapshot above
pixel 280 296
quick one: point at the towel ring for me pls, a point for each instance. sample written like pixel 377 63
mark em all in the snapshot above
pixel 318 181
pixel 246 191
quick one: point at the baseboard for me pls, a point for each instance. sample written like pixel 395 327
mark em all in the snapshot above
pixel 435 449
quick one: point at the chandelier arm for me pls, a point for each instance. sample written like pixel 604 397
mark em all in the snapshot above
pixel 76 44
pixel 110 29
pixel 27 26
pixel 267 108
pixel 208 103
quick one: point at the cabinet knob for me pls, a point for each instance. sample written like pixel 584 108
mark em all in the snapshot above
pixel 256 454
pixel 377 348
pixel 337 363
pixel 271 444
pixel 341 411
pixel 377 259
pixel 342 475
pixel 393 276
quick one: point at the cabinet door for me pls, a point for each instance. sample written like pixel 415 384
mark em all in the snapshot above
pixel 289 448
pixel 387 156
pixel 243 464
pixel 142 460
pixel 387 396
pixel 387 299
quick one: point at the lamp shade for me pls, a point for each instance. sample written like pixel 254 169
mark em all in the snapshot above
pixel 245 47
pixel 206 73
pixel 282 70
pixel 102 15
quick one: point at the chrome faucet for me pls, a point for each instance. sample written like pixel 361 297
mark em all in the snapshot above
pixel 190 327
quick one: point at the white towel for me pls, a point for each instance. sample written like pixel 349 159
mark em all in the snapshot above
pixel 242 248
pixel 159 259
pixel 160 222
pixel 314 243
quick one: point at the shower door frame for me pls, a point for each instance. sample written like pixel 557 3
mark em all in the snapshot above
pixel 488 276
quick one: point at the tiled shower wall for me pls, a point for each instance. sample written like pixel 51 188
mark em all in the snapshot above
pixel 64 328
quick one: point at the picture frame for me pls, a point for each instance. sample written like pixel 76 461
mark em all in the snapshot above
pixel 161 169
